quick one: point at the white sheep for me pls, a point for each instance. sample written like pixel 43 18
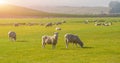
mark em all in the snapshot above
pixel 109 23
pixel 98 24
pixel 70 38
pixel 58 28
pixel 12 35
pixel 50 40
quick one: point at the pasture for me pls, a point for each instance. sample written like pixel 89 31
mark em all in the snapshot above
pixel 101 43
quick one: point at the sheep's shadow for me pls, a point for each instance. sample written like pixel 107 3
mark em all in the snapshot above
pixel 88 47
pixel 76 48
pixel 21 41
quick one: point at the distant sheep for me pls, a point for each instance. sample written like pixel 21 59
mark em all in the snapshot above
pixel 58 28
pixel 86 21
pixel 106 24
pixel 48 24
pixel 70 38
pixel 109 23
pixel 50 40
pixel 16 24
pixel 12 35
pixel 58 23
pixel 63 21
pixel 98 24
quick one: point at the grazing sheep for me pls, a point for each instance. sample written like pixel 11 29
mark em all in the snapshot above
pixel 97 24
pixel 86 21
pixel 48 24
pixel 70 38
pixel 16 24
pixel 58 28
pixel 63 21
pixel 12 35
pixel 109 23
pixel 58 23
pixel 105 24
pixel 50 40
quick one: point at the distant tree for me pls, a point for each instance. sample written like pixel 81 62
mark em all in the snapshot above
pixel 115 7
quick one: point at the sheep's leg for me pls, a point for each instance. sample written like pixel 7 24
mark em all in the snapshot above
pixel 43 44
pixel 76 44
pixel 10 38
pixel 67 44
pixel 53 46
pixel 14 39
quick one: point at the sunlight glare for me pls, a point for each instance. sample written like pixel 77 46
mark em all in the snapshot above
pixel 2 2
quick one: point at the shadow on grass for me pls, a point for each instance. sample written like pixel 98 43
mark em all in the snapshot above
pixel 88 47
pixel 77 48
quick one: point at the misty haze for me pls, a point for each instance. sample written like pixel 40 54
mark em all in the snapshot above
pixel 59 31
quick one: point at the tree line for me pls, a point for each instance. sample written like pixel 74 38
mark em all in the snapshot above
pixel 114 7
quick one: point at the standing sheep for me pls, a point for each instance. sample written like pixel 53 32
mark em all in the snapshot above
pixel 70 38
pixel 50 40
pixel 12 35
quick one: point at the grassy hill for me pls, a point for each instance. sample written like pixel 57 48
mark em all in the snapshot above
pixel 8 11
pixel 12 11
pixel 17 11
pixel 74 10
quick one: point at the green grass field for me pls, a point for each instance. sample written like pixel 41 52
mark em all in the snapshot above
pixel 101 43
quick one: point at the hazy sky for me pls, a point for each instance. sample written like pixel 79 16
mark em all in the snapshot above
pixel 61 2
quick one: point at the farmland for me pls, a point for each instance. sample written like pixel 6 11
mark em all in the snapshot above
pixel 101 43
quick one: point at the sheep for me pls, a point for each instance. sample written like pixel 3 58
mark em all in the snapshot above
pixel 58 28
pixel 70 38
pixel 109 23
pixel 12 35
pixel 16 24
pixel 48 24
pixel 97 24
pixel 50 40
pixel 86 21
pixel 58 23
pixel 105 24
pixel 63 21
